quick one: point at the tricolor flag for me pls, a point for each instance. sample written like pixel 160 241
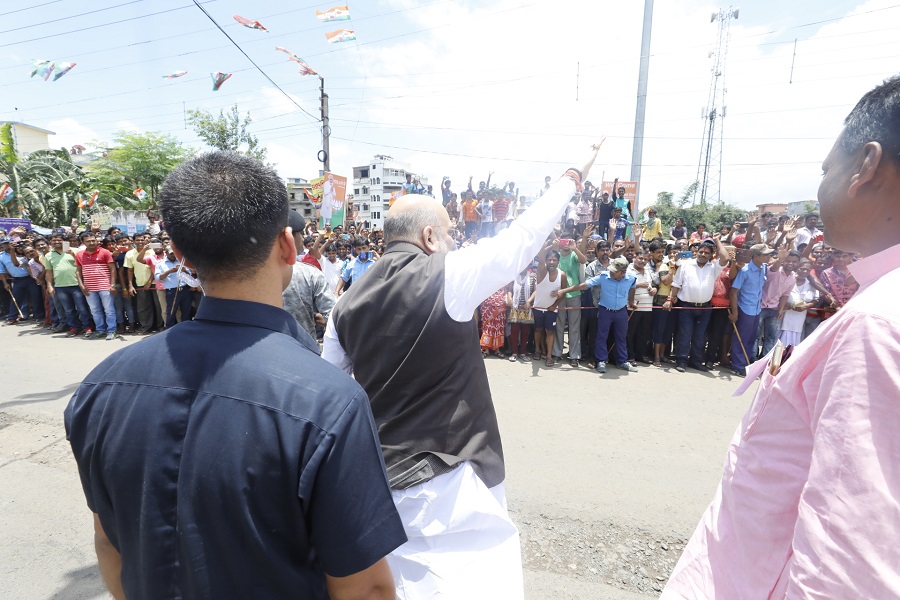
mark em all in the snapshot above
pixel 81 202
pixel 338 13
pixel 93 198
pixel 140 193
pixel 174 75
pixel 341 35
pixel 305 69
pixel 218 79
pixel 42 68
pixel 6 194
pixel 248 23
pixel 62 68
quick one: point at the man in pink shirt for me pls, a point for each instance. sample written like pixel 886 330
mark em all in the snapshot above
pixel 780 281
pixel 809 502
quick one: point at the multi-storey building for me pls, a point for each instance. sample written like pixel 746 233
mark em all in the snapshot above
pixel 373 185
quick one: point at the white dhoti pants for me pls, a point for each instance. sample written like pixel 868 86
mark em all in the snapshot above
pixel 462 543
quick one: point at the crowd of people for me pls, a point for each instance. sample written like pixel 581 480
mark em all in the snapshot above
pixel 95 284
pixel 771 276
pixel 690 299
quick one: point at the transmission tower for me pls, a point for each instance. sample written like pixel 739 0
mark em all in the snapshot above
pixel 709 169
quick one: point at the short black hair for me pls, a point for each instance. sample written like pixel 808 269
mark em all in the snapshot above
pixel 875 118
pixel 549 252
pixel 224 211
pixel 656 245
pixel 360 241
pixel 110 230
pixel 330 247
pixel 602 244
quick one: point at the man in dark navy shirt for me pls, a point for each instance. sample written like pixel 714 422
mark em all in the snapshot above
pixel 241 465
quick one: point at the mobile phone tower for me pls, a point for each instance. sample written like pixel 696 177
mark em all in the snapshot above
pixel 709 169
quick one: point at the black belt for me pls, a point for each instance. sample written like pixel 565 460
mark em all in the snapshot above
pixel 694 304
pixel 611 309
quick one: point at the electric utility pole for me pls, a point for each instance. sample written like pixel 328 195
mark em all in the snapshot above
pixel 637 151
pixel 325 154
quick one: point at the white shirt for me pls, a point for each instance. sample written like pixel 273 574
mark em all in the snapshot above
pixel 804 235
pixel 695 283
pixel 642 297
pixel 332 272
pixel 473 273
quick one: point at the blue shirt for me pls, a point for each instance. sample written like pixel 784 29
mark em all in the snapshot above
pixel 613 294
pixel 8 266
pixel 355 269
pixel 750 280
pixel 170 282
pixel 241 465
pixel 621 225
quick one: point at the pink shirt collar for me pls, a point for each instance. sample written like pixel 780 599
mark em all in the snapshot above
pixel 869 269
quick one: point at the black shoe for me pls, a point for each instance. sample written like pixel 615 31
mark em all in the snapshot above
pixel 700 367
pixel 739 372
pixel 680 368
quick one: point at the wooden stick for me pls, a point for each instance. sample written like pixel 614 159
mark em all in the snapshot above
pixel 740 341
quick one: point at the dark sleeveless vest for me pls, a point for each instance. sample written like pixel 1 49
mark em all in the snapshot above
pixel 422 370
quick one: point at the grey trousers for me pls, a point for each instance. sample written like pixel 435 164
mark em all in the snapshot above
pixel 573 318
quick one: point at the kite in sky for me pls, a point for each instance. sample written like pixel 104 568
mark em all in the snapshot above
pixel 337 13
pixel 248 23
pixel 305 69
pixel 341 35
pixel 174 74
pixel 218 79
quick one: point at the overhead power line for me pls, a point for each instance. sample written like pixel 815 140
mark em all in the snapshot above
pixel 90 12
pixel 258 68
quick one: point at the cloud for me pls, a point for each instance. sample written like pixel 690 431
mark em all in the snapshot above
pixel 499 81
pixel 70 132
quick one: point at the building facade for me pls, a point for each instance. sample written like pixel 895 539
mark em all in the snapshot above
pixel 372 186
pixel 28 138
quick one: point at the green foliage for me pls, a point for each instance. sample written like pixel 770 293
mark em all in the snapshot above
pixel 46 184
pixel 7 146
pixel 668 209
pixel 227 132
pixel 136 160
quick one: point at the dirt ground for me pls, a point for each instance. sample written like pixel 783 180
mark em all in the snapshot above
pixel 607 476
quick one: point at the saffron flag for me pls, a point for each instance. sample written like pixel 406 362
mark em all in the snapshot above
pixel 248 23
pixel 6 194
pixel 140 193
pixel 81 202
pixel 93 198
pixel 174 74
pixel 218 79
pixel 337 13
pixel 62 68
pixel 341 35
pixel 395 196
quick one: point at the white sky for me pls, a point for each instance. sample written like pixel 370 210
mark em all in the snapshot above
pixel 462 88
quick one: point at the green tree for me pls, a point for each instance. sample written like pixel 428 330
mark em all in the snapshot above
pixel 136 160
pixel 228 131
pixel 668 209
pixel 46 183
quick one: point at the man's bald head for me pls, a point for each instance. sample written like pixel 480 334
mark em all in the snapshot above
pixel 420 220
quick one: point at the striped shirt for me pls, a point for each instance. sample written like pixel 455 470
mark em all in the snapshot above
pixel 95 269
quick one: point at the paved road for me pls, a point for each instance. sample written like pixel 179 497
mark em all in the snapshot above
pixel 606 477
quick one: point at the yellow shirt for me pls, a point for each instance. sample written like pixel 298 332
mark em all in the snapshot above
pixel 652 232
pixel 142 272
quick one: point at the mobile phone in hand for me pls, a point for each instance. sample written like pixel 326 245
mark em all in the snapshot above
pixel 685 255
pixel 155 246
pixel 65 247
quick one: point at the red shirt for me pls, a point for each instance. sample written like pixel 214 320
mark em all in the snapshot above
pixel 95 269
pixel 501 209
